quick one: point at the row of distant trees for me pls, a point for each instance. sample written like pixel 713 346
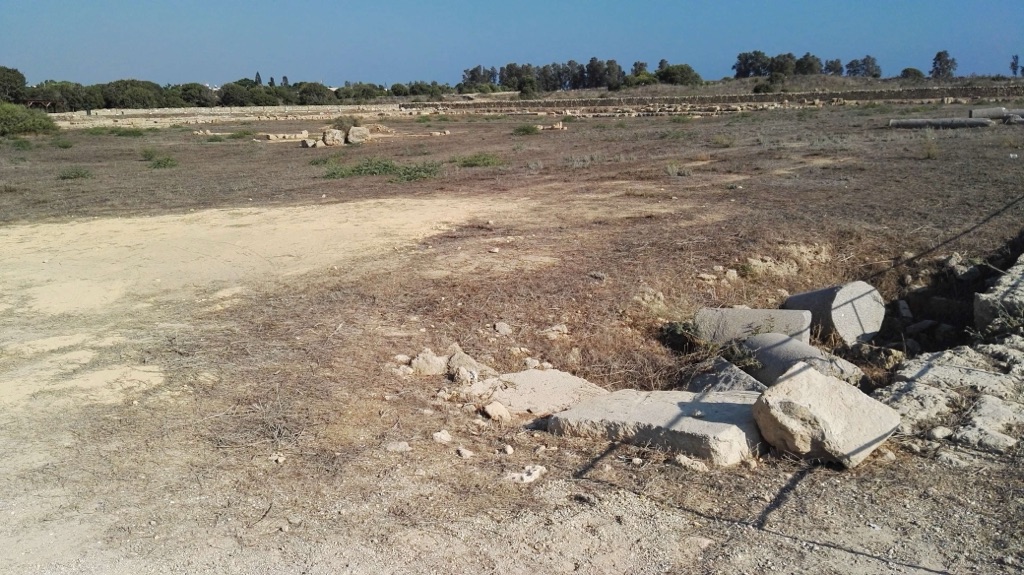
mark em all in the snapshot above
pixel 527 79
pixel 244 92
pixel 572 75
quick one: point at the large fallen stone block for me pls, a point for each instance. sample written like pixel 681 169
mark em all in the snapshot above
pixel 333 137
pixel 723 325
pixel 815 416
pixel 1004 301
pixel 714 426
pixel 920 406
pixel 989 424
pixel 776 353
pixel 853 311
pixel 535 391
pixel 358 135
pixel 724 376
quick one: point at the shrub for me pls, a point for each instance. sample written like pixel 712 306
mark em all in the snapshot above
pixel 722 141
pixel 165 162
pixel 74 173
pixel 127 132
pixel 381 167
pixel 478 160
pixel 148 154
pixel 674 170
pixel 15 119
pixel 343 123
pixel 61 143
pixel 21 144
pixel 680 119
pixel 97 131
pixel 324 160
pixel 212 139
pixel 241 134
pixel 526 130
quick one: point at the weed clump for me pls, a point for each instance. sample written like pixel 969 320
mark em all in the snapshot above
pixel 62 143
pixel 478 160
pixel 74 173
pixel 382 167
pixel 164 162
pixel 21 144
pixel 526 130
pixel 241 134
pixel 148 154
pixel 344 123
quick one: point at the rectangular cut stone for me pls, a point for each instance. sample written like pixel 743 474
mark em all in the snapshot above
pixel 719 427
pixel 725 376
pixel 723 325
pixel 816 416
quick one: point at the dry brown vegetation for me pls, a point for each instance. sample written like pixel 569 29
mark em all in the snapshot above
pixel 264 446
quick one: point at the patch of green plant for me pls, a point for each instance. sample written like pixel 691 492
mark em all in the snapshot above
pixel 8 189
pixel 74 173
pixel 569 119
pixel 148 154
pixel 213 139
pixel 673 169
pixel 241 135
pixel 478 160
pixel 21 144
pixel 673 135
pixel 97 131
pixel 382 167
pixel 806 114
pixel 344 123
pixel 164 162
pixel 526 130
pixel 16 119
pixel 722 141
pixel 62 143
pixel 494 117
pixel 423 119
pixel 621 124
pixel 126 132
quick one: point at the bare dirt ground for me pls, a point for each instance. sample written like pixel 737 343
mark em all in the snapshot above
pixel 192 359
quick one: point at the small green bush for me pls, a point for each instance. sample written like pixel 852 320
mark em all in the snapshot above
pixel 62 143
pixel 21 144
pixel 423 119
pixel 241 135
pixel 74 173
pixel 478 160
pixel 213 139
pixel 324 160
pixel 344 123
pixel 15 119
pixel 126 132
pixel 381 167
pixel 526 130
pixel 680 119
pixel 165 162
pixel 723 141
pixel 148 154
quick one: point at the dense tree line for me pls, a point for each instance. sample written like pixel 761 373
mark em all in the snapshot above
pixel 244 92
pixel 529 79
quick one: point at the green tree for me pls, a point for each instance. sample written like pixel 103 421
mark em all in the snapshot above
pixel 399 90
pixel 615 76
pixel 315 94
pixel 680 74
pixel 866 68
pixel 258 81
pixel 808 65
pixel 943 66
pixel 16 119
pixel 12 84
pixel 783 64
pixel 1015 64
pixel 197 95
pixel 638 68
pixel 749 64
pixel 233 95
pixel 132 94
pixel 284 81
pixel 834 67
pixel 912 74
pixel 271 83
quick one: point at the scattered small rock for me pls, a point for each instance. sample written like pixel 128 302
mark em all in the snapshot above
pixel 530 474
pixel 691 464
pixel 442 436
pixel 398 447
pixel 464 453
pixel 508 449
pixel 637 461
pixel 531 363
pixel 498 412
pixel 939 433
pixel 503 328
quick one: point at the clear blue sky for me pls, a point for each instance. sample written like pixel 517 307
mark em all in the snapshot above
pixel 216 41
